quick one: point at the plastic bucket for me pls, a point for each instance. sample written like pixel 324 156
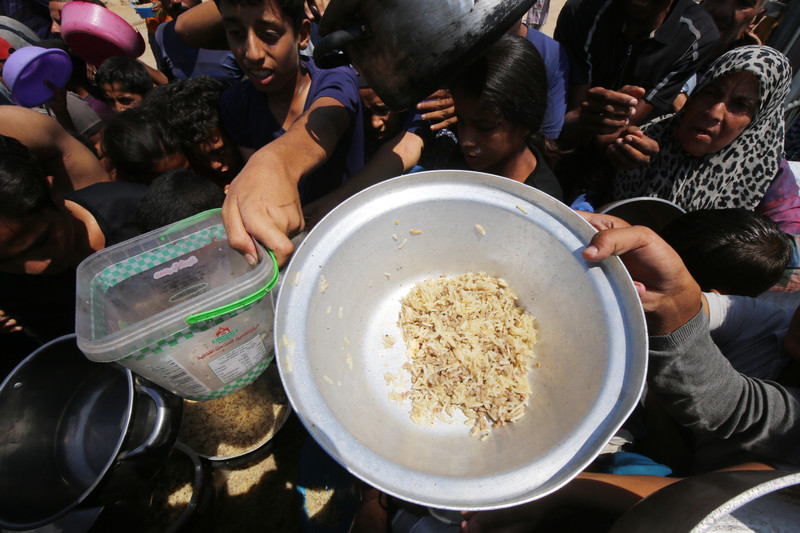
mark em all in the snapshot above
pixel 27 69
pixel 180 307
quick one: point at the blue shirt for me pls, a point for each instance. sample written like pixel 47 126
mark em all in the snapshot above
pixel 184 61
pixel 556 64
pixel 247 119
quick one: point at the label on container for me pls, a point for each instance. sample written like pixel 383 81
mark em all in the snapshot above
pixel 236 362
pixel 174 373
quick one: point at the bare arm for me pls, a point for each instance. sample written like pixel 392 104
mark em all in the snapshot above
pixel 263 200
pixel 393 158
pixel 201 27
pixel 72 165
pixel 158 77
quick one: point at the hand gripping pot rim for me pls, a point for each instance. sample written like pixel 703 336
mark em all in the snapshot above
pixel 180 307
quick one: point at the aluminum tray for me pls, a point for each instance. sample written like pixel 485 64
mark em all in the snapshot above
pixel 592 348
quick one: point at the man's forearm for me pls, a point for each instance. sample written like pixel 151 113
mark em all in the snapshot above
pixel 702 391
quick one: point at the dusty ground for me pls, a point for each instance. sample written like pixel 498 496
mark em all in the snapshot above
pixel 123 9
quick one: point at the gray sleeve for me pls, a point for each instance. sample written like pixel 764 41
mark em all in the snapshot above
pixel 703 393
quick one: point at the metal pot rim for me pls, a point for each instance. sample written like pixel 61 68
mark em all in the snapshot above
pixel 124 427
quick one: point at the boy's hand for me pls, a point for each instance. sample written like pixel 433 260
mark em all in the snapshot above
pixel 267 209
pixel 439 109
pixel 632 149
pixel 8 324
pixel 670 296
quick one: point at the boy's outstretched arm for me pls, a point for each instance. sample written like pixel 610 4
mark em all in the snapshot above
pixel 263 200
pixel 201 27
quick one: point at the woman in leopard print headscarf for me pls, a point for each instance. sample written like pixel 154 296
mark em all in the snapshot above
pixel 724 147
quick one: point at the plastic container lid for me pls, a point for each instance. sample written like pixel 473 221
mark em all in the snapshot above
pixel 142 291
pixel 26 70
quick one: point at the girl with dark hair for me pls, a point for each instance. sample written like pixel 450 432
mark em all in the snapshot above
pixel 500 100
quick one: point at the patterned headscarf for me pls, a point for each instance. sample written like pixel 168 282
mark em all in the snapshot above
pixel 737 175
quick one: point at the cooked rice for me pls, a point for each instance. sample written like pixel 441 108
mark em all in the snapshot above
pixel 469 348
pixel 237 423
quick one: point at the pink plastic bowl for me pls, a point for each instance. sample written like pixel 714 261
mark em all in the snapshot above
pixel 27 69
pixel 96 33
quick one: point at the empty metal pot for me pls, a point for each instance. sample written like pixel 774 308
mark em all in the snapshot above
pixel 407 48
pixel 77 433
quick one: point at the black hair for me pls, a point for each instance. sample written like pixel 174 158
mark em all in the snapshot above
pixel 734 251
pixel 126 71
pixel 188 109
pixel 134 141
pixel 23 182
pixel 294 10
pixel 175 195
pixel 510 80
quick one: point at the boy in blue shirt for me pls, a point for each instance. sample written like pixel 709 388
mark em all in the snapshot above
pixel 299 127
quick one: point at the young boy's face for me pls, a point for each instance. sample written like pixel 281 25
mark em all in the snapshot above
pixel 218 158
pixel 120 97
pixel 264 43
pixel 40 243
pixel 384 123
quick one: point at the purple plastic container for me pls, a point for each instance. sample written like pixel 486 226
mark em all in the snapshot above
pixel 27 69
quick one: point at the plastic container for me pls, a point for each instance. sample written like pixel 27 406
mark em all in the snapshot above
pixel 180 307
pixel 144 10
pixel 27 69
pixel 95 33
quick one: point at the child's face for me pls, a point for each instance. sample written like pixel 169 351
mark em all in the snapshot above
pixel 384 122
pixel 487 141
pixel 55 16
pixel 120 97
pixel 219 157
pixel 264 43
pixel 41 243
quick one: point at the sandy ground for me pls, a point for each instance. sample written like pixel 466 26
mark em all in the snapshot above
pixel 123 9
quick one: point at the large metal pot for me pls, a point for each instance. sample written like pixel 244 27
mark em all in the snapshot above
pixel 407 48
pixel 77 433
pixel 343 301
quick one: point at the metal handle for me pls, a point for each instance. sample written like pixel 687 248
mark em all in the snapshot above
pixel 328 51
pixel 162 422
pixel 241 302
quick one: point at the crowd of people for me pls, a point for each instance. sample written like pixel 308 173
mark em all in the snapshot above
pixel 670 99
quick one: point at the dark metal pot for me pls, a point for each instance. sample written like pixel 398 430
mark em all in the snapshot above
pixel 76 433
pixel 406 49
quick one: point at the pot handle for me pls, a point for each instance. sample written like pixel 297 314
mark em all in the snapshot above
pixel 327 52
pixel 161 424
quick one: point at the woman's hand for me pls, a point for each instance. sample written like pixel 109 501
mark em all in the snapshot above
pixel 632 149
